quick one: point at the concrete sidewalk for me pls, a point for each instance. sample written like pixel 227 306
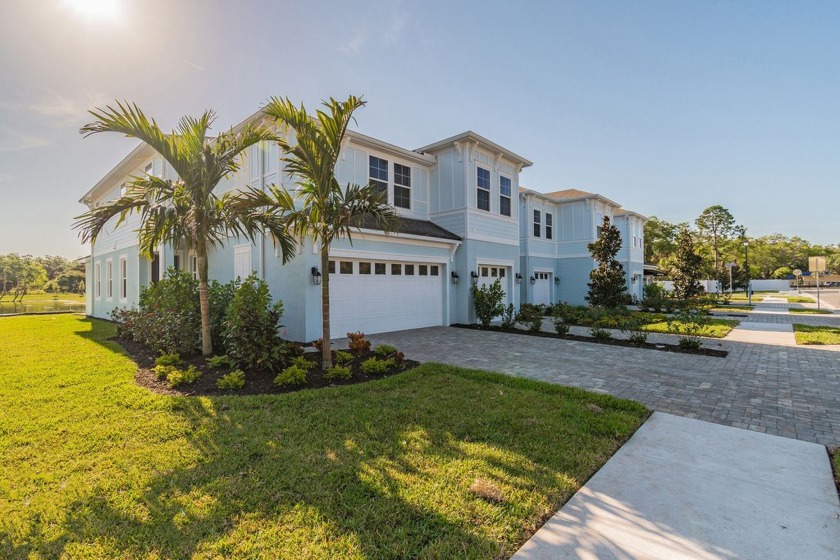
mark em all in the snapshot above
pixel 683 488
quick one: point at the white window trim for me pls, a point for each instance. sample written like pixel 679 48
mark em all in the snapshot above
pixel 510 198
pixel 390 183
pixel 109 279
pixel 97 281
pixel 489 189
pixel 123 274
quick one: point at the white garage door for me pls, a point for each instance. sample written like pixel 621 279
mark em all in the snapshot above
pixel 381 296
pixel 542 288
pixel 489 274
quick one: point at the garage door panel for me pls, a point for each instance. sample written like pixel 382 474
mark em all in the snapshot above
pixel 374 303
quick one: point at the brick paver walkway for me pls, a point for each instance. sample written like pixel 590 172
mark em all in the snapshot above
pixel 787 391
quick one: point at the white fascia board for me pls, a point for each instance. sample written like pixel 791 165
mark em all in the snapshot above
pixel 376 235
pixel 109 181
pixel 360 139
pixel 482 142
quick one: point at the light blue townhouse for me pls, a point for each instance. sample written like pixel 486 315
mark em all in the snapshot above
pixel 464 220
pixel 555 229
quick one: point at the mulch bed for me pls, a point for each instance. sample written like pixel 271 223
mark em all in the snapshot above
pixel 256 382
pixel 662 347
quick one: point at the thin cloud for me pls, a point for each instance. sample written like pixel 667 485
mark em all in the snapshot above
pixel 395 30
pixel 6 177
pixel 14 141
pixel 194 65
pixel 55 108
pixel 354 45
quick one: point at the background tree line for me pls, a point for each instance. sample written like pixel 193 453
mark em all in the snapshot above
pixel 21 274
pixel 719 240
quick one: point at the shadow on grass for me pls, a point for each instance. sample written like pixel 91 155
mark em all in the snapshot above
pixel 379 470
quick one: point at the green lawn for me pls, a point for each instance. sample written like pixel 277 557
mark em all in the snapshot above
pixel 718 328
pixel 728 308
pixel 97 467
pixel 797 299
pixel 835 458
pixel 808 334
pixel 810 311
pixel 741 296
pixel 32 298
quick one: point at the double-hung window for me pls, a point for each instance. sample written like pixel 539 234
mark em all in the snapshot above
pixel 483 188
pixel 379 174
pixel 109 279
pixel 504 195
pixel 537 223
pixel 97 280
pixel 123 278
pixel 548 225
pixel 402 186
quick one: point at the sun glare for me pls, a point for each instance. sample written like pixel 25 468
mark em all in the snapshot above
pixel 99 11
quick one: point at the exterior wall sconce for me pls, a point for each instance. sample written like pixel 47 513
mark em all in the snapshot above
pixel 455 277
pixel 316 276
pixel 474 276
pixel 518 278
pixel 533 280
pixel 556 280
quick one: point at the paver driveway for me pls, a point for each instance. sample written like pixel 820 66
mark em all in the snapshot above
pixel 787 391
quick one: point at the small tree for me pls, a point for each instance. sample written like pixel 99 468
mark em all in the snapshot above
pixel 488 300
pixel 686 271
pixel 608 284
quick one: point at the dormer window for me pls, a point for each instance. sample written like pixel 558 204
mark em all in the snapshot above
pixel 504 195
pixel 483 189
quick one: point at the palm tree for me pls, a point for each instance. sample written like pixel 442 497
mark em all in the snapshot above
pixel 321 208
pixel 185 210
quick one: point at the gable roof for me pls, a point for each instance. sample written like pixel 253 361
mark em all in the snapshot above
pixel 482 141
pixel 411 226
pixel 569 193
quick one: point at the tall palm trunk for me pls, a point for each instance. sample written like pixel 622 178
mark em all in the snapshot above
pixel 204 300
pixel 326 348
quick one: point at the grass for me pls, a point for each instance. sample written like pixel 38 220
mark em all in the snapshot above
pixel 727 308
pixel 717 328
pixel 97 467
pixel 809 334
pixel 811 311
pixel 834 454
pixel 797 299
pixel 741 296
pixel 32 298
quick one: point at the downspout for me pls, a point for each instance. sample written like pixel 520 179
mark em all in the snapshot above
pixel 526 279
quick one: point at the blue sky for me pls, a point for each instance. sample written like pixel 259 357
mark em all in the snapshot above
pixel 665 107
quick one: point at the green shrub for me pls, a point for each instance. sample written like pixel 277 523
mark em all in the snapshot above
pixel 509 317
pixel 633 327
pixel 689 323
pixel 373 366
pixel 291 376
pixel 169 316
pixel 341 357
pixel 572 314
pixel 162 371
pixel 177 377
pixel 487 301
pixel 531 315
pixel 251 322
pixel 338 373
pixel 303 363
pixel 168 360
pixel 599 333
pixel 385 350
pixel 233 380
pixel 219 361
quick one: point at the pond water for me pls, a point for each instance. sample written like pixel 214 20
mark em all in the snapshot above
pixel 41 306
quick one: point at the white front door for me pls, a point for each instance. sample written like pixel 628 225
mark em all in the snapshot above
pixel 488 274
pixel 374 296
pixel 542 288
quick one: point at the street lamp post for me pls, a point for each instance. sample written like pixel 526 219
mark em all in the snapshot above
pixel 747 267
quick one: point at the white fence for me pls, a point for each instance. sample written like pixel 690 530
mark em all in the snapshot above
pixel 711 286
